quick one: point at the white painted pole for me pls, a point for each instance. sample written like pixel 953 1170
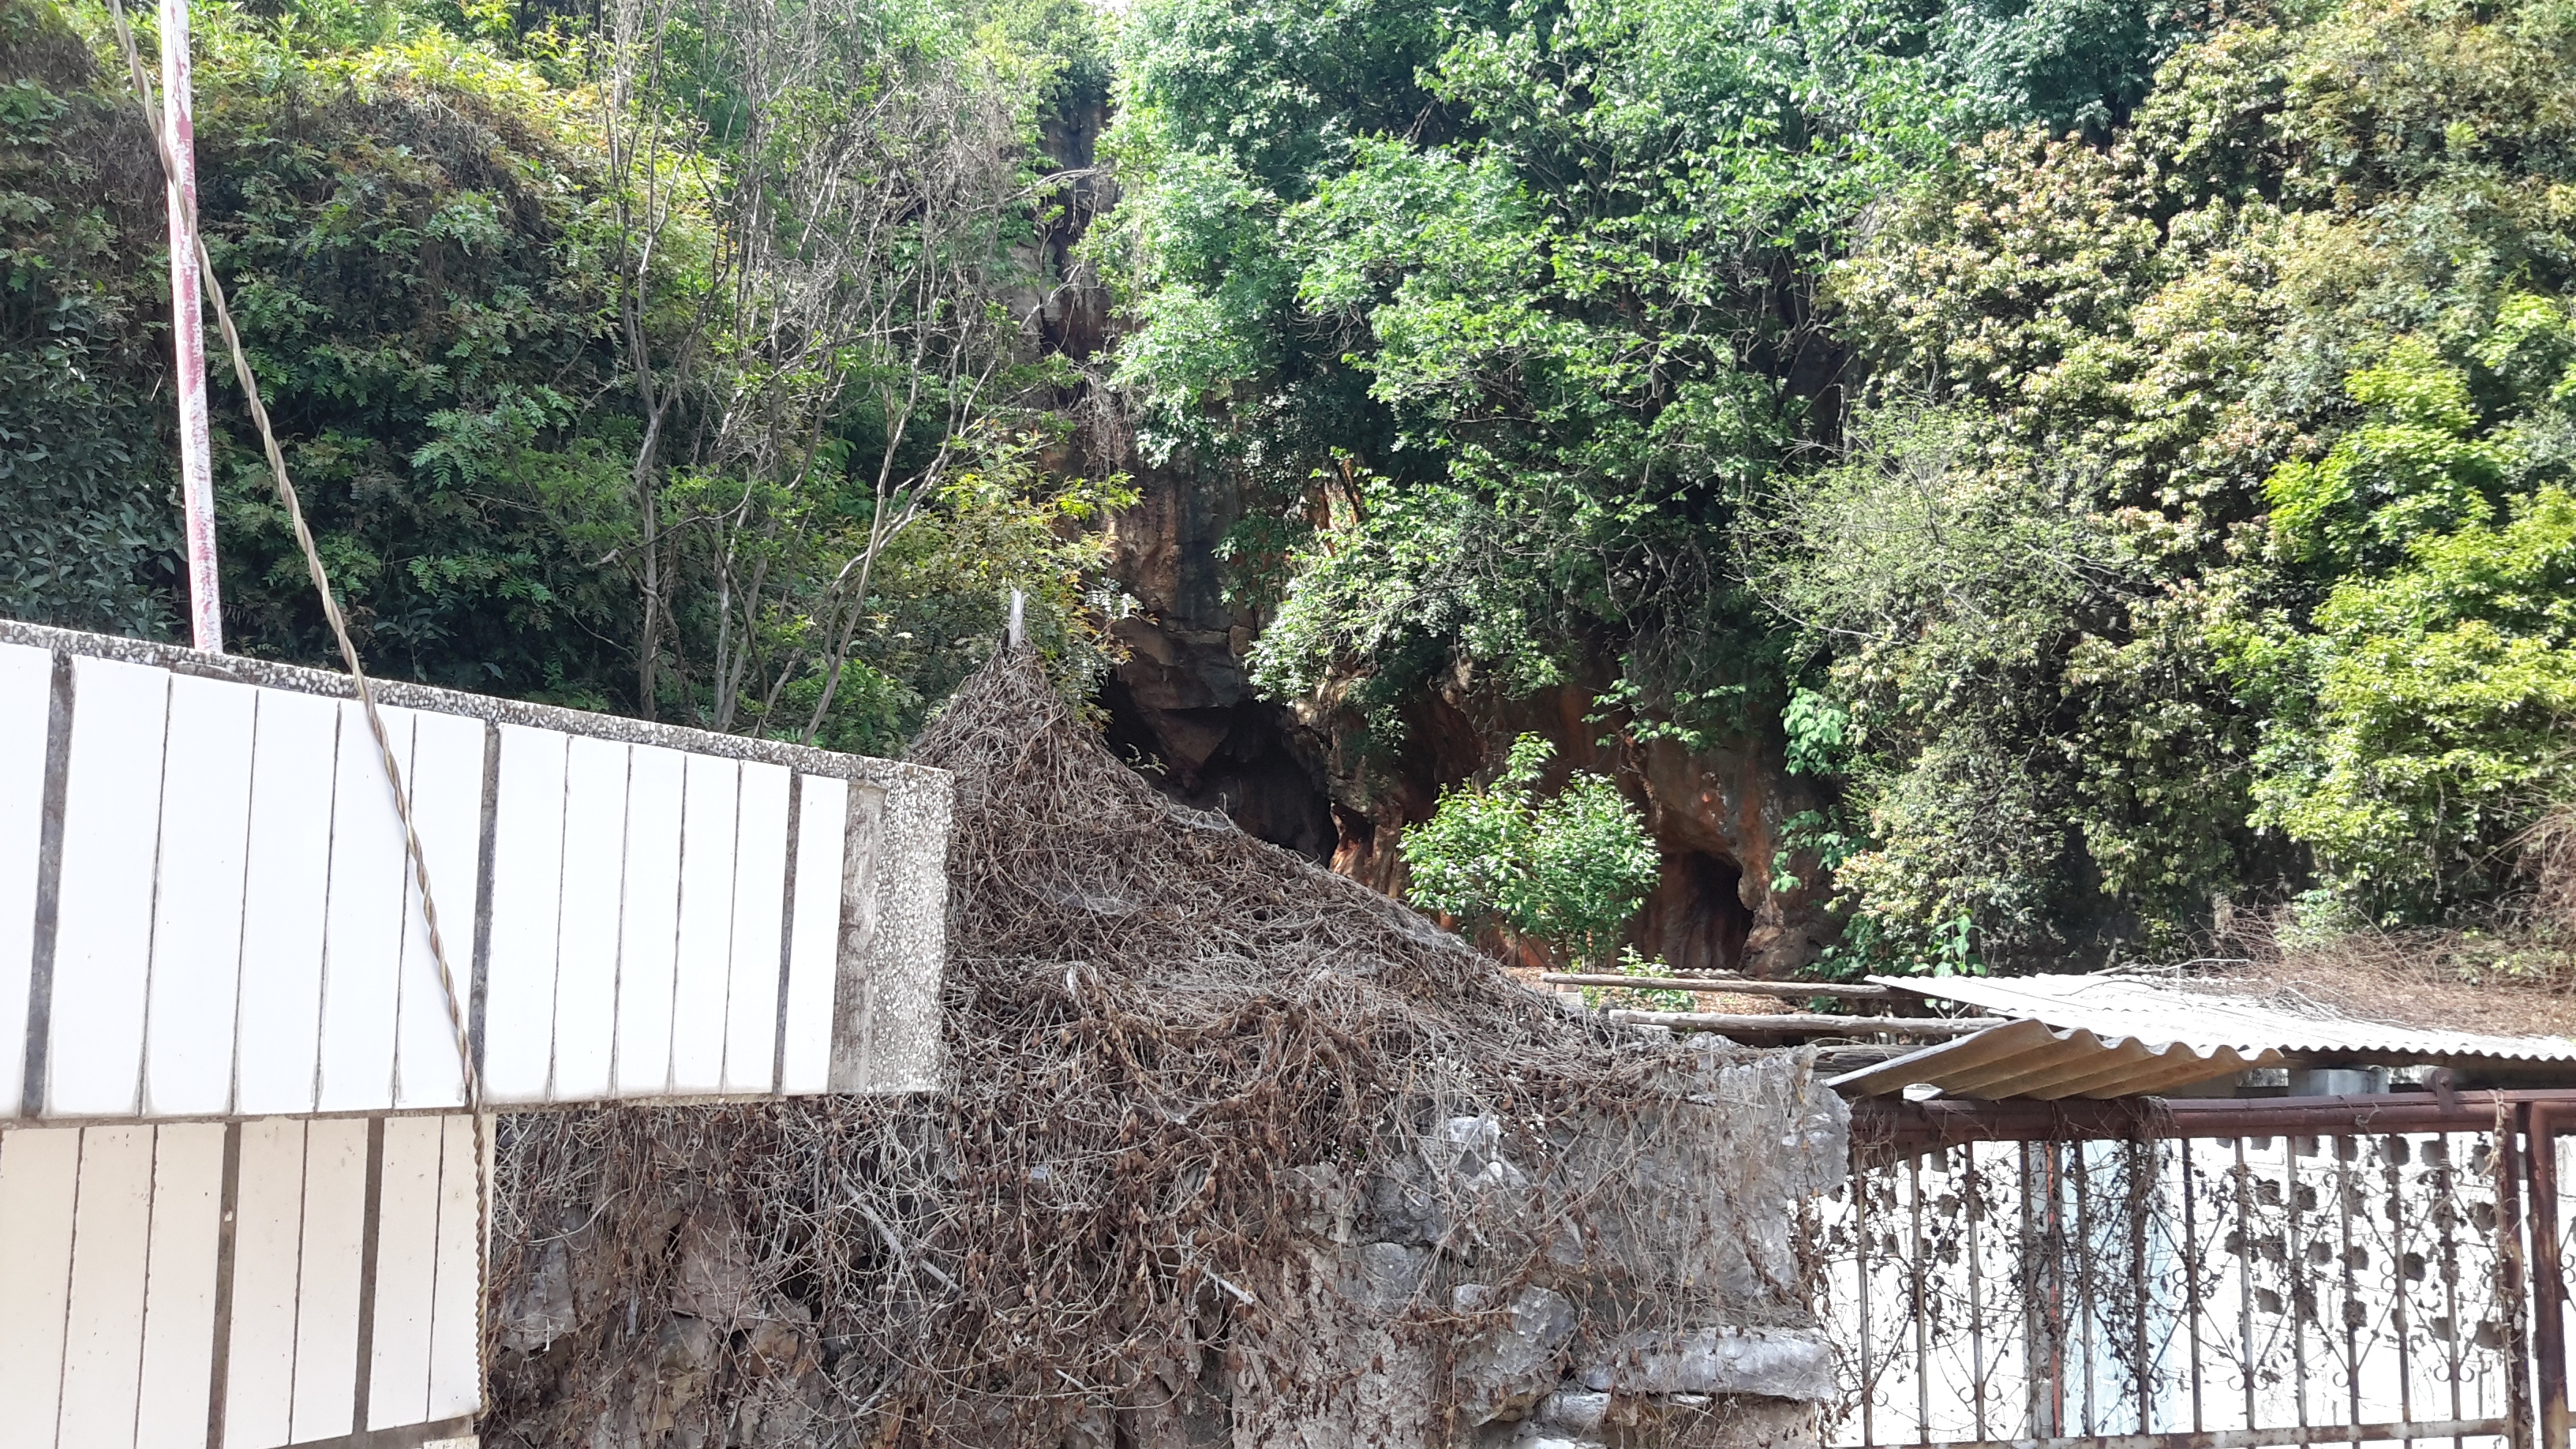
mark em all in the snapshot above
pixel 188 336
pixel 1018 632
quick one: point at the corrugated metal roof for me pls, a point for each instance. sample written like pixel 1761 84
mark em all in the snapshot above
pixel 2027 1059
pixel 2114 1036
pixel 2163 1011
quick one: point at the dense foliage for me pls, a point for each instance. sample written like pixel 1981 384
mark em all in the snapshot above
pixel 1518 302
pixel 1566 871
pixel 666 363
pixel 2122 453
pixel 2205 533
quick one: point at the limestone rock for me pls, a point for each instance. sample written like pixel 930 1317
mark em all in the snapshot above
pixel 1773 1363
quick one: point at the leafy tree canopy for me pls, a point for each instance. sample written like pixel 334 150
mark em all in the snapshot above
pixel 2202 527
pixel 1498 312
pixel 661 359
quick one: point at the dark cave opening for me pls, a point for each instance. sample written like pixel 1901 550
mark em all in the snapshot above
pixel 1696 918
pixel 1238 759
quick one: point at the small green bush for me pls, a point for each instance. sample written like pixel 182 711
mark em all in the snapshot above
pixel 1568 871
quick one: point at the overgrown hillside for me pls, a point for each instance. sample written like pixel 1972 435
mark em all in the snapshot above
pixel 2133 497
pixel 2096 473
pixel 669 361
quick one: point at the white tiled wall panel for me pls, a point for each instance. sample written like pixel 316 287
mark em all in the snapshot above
pixel 527 896
pixel 708 807
pixel 237 1207
pixel 239 931
pixel 113 1250
pixel 111 831
pixel 197 906
pixel 822 829
pixel 446 778
pixel 286 882
pixel 26 696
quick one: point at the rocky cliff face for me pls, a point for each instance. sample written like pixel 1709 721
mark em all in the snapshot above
pixel 1715 814
pixel 1180 704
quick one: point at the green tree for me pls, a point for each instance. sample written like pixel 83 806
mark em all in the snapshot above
pixel 1496 313
pixel 602 379
pixel 1568 871
pixel 2169 470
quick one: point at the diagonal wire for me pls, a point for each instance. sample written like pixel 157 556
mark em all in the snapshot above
pixel 456 1017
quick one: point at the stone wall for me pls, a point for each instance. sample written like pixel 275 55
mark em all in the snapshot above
pixel 1381 1329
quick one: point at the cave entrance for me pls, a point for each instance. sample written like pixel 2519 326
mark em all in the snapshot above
pixel 1238 759
pixel 1696 918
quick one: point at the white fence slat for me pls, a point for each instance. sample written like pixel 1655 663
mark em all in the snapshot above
pixel 363 930
pixel 446 780
pixel 406 1273
pixel 197 917
pixel 26 699
pixel 814 951
pixel 39 1171
pixel 179 1296
pixel 286 886
pixel 455 1380
pixel 759 905
pixel 594 874
pixel 103 942
pixel 103 1340
pixel 268 1246
pixel 326 1291
pixel 706 926
pixel 649 936
pixel 527 890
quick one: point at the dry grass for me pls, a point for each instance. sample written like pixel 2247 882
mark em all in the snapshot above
pixel 2515 975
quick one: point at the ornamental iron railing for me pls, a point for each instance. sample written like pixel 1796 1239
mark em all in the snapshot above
pixel 2205 1276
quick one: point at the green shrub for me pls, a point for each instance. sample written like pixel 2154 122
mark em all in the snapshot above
pixel 1568 871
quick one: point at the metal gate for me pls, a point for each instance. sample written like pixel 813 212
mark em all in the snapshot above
pixel 2213 1275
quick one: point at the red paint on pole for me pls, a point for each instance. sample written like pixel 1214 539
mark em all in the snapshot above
pixel 188 337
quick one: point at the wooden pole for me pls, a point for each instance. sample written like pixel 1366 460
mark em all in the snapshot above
pixel 188 336
pixel 2548 1276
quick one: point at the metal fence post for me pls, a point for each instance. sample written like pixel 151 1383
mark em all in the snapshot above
pixel 2548 1284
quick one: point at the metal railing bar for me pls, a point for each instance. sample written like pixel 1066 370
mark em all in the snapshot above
pixel 1922 1336
pixel 2449 1179
pixel 1976 1286
pixel 2391 1151
pixel 2190 1280
pixel 1902 1126
pixel 2345 1149
pixel 2292 1254
pixel 2142 1187
pixel 1868 1368
pixel 2483 1343
pixel 2404 1432
pixel 2245 1279
pixel 2081 1257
